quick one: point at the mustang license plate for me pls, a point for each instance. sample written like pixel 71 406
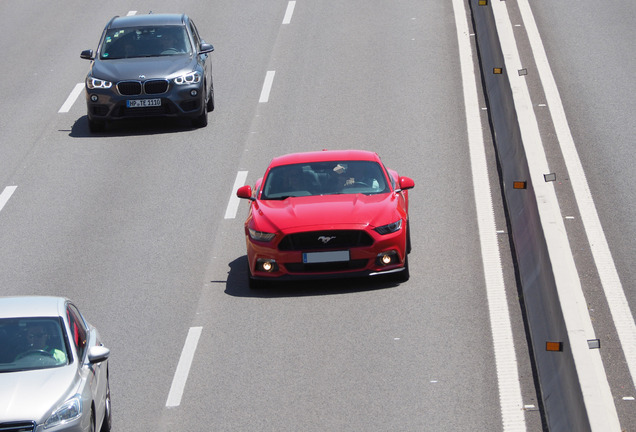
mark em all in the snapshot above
pixel 143 103
pixel 323 257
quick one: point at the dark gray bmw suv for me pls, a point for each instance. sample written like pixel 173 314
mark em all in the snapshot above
pixel 149 65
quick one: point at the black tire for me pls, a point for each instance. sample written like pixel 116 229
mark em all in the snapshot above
pixel 108 414
pixel 92 425
pixel 404 275
pixel 210 105
pixel 202 120
pixel 255 284
pixel 96 125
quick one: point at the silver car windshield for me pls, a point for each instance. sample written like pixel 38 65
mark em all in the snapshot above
pixel 324 178
pixel 135 42
pixel 32 343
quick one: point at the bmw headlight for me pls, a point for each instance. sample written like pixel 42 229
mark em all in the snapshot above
pixel 260 235
pixel 96 83
pixel 69 411
pixel 189 78
pixel 389 228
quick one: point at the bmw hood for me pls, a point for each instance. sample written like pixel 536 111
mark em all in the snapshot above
pixel 327 211
pixel 151 67
pixel 33 395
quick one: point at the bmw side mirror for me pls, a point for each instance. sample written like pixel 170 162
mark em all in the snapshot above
pixel 205 48
pixel 87 54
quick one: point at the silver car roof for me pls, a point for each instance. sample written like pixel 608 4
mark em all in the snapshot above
pixel 32 306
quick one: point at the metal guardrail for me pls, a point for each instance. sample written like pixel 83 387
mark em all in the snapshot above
pixel 560 390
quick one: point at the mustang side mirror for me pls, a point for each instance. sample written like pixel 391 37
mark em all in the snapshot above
pixel 245 192
pixel 406 183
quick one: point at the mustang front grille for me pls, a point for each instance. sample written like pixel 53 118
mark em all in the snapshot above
pixel 326 267
pixel 332 239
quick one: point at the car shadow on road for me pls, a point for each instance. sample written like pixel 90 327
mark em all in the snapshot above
pixel 130 127
pixel 237 285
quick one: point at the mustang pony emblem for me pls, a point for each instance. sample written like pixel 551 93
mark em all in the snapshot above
pixel 326 239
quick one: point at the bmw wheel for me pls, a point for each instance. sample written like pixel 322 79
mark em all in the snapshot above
pixel 96 125
pixel 210 104
pixel 202 120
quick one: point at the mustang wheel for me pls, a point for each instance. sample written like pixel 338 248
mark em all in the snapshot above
pixel 404 275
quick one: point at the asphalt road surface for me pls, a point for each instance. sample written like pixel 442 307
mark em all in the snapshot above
pixel 133 224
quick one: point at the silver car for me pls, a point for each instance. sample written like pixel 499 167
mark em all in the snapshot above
pixel 53 368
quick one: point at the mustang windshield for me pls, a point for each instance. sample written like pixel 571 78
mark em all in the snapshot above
pixel 145 42
pixel 31 343
pixel 324 178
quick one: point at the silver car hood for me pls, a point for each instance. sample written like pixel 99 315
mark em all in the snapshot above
pixel 32 395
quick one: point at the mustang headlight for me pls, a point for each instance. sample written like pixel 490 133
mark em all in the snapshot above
pixel 260 235
pixel 389 228
pixel 69 411
pixel 189 78
pixel 95 83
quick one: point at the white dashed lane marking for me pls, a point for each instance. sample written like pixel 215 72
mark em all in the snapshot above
pixel 70 100
pixel 289 12
pixel 267 86
pixel 232 206
pixel 183 368
pixel 5 195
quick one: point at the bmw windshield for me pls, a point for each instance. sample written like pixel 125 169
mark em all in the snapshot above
pixel 135 42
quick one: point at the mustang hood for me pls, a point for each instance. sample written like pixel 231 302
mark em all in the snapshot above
pixel 327 210
pixel 32 395
pixel 150 67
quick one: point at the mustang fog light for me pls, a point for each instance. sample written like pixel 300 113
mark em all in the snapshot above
pixel 266 265
pixel 193 93
pixel 387 258
pixel 94 98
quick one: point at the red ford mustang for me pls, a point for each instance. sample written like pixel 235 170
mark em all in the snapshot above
pixel 327 214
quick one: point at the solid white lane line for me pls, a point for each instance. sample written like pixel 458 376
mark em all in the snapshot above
pixel 510 400
pixel 70 100
pixel 614 292
pixel 597 395
pixel 289 12
pixel 5 195
pixel 267 86
pixel 183 368
pixel 233 204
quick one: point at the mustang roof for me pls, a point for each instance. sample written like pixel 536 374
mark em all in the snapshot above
pixel 325 156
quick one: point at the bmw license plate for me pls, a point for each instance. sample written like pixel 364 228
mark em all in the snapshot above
pixel 323 257
pixel 143 103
